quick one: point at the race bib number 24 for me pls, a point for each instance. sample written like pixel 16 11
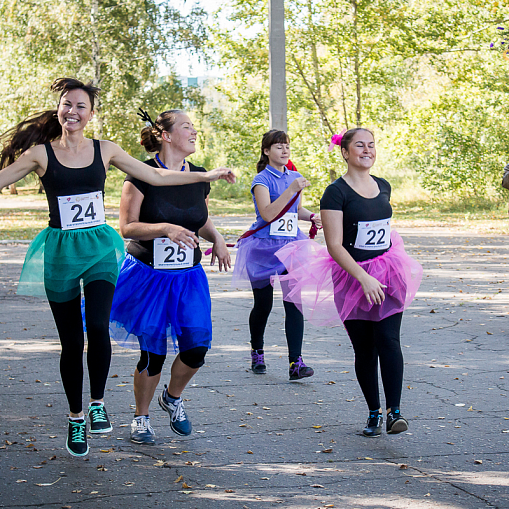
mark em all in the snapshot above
pixel 81 210
pixel 373 235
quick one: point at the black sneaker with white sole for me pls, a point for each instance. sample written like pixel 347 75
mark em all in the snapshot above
pixel 99 420
pixel 374 425
pixel 77 438
pixel 396 423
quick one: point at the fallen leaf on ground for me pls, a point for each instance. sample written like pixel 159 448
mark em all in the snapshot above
pixel 478 462
pixel 229 491
pixel 21 480
pixel 316 427
pixel 250 452
pixel 179 478
pixel 301 473
pixel 210 486
pixel 327 450
pixel 185 486
pixel 316 486
pixel 101 468
pixel 403 466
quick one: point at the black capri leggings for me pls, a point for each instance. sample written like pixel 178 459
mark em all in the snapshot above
pixel 294 322
pixel 67 315
pixel 153 363
pixel 372 341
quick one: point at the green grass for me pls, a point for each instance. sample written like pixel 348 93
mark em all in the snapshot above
pixel 476 215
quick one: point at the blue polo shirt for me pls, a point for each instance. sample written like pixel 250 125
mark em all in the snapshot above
pixel 276 182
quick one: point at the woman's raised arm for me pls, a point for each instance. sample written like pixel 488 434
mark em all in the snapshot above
pixel 114 155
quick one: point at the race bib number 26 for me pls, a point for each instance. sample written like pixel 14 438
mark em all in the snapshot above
pixel 81 210
pixel 373 235
pixel 285 226
pixel 169 255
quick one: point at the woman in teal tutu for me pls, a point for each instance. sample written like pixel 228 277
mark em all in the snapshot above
pixel 78 247
pixel 162 297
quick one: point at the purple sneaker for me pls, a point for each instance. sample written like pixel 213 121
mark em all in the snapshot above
pixel 258 362
pixel 299 370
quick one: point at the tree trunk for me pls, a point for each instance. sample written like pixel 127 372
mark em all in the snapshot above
pixel 96 62
pixel 13 189
pixel 357 65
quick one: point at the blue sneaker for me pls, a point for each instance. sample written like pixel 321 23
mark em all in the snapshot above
pixel 141 431
pixel 99 420
pixel 179 422
pixel 77 438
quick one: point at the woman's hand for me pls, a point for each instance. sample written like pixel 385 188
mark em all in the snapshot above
pixel 373 289
pixel 220 173
pixel 181 236
pixel 317 220
pixel 220 251
pixel 299 184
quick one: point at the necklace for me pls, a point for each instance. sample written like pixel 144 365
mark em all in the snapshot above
pixel 165 167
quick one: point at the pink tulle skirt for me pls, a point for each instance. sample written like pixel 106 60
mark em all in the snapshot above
pixel 326 294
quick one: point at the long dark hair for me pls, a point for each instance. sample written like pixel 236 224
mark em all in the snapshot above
pixel 270 138
pixel 151 136
pixel 42 127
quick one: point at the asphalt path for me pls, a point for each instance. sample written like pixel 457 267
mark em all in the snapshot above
pixel 261 441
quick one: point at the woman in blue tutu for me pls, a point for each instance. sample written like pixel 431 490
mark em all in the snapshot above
pixel 162 296
pixel 276 195
pixel 78 247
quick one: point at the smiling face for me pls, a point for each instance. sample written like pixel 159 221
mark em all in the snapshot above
pixel 278 154
pixel 74 110
pixel 182 136
pixel 361 152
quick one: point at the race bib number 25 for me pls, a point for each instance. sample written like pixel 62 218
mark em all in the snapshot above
pixel 81 210
pixel 169 255
pixel 373 235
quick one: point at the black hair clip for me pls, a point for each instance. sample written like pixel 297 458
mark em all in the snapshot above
pixel 146 118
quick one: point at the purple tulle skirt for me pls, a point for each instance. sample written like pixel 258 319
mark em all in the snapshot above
pixel 256 261
pixel 326 294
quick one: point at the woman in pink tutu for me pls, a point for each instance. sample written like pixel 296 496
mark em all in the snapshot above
pixel 276 196
pixel 363 278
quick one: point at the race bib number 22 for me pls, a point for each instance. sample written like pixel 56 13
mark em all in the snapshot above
pixel 373 235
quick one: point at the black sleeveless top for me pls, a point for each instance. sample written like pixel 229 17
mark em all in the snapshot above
pixel 59 180
pixel 181 205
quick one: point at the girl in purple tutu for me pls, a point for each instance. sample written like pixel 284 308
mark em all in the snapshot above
pixel 162 296
pixel 363 278
pixel 276 194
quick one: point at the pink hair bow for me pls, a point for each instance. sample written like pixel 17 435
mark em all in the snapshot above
pixel 336 140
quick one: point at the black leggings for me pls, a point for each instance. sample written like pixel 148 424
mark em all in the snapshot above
pixel 372 341
pixel 67 315
pixel 294 322
pixel 153 362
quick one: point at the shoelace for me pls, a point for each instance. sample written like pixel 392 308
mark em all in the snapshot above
pixel 78 432
pixel 258 358
pixel 296 366
pixel 178 414
pixel 98 414
pixel 143 425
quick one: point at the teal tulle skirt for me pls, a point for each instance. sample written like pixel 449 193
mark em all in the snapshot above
pixel 58 260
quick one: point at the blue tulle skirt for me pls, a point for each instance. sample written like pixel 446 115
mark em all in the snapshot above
pixel 153 308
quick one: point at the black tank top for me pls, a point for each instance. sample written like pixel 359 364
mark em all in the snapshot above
pixel 59 180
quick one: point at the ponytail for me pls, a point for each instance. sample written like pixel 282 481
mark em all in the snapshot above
pixel 270 138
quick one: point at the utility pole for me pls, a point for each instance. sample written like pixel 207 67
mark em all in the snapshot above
pixel 277 65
